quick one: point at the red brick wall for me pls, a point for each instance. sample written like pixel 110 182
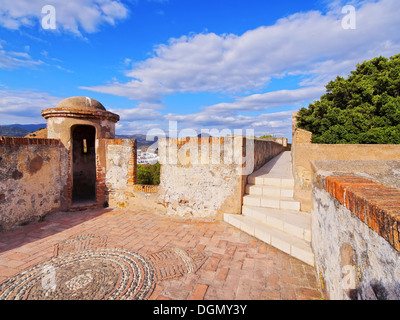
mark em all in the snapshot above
pixel 100 181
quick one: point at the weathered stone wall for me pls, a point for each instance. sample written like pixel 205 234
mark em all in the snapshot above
pixel 355 238
pixel 304 153
pixel 206 177
pixel 302 136
pixel 386 172
pixel 280 140
pixel 116 177
pixel 33 180
pixel 119 157
pixel 116 167
pixel 204 191
pixel 116 170
pixel 265 151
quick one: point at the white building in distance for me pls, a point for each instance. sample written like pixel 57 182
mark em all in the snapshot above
pixel 146 157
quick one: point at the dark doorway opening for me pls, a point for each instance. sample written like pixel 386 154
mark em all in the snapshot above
pixel 84 164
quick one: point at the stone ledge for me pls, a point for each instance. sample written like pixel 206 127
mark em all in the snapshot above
pixel 86 114
pixel 376 205
pixel 120 142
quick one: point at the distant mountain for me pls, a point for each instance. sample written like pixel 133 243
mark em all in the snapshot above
pixel 140 138
pixel 29 127
pixel 9 131
pixel 19 130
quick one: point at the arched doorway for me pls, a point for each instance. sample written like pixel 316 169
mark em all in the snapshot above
pixel 83 164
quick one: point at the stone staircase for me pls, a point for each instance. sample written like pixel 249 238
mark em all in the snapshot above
pixel 269 212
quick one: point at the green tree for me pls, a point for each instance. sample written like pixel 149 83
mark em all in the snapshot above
pixel 148 175
pixel 143 175
pixel 155 173
pixel 362 109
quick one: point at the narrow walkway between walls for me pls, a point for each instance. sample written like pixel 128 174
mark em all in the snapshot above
pixel 270 213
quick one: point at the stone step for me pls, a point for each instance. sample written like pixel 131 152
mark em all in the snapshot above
pixel 298 248
pixel 296 223
pixel 254 189
pixel 271 202
pixel 273 182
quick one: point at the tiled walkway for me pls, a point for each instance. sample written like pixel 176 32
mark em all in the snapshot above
pixel 238 265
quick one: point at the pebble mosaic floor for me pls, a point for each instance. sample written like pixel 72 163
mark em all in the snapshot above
pixel 85 269
pixel 126 254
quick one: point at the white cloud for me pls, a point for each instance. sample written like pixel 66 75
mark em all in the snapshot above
pixel 278 123
pixel 137 114
pixel 135 120
pixel 230 115
pixel 73 15
pixel 311 44
pixel 13 59
pixel 139 127
pixel 24 106
pixel 267 100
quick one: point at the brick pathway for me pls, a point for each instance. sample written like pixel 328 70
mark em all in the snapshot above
pixel 238 267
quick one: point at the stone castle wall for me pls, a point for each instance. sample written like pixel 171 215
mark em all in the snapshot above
pixel 304 153
pixel 116 165
pixel 206 177
pixel 36 180
pixel 33 180
pixel 355 237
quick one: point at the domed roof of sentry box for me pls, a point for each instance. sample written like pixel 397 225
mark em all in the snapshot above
pixel 80 103
pixel 80 107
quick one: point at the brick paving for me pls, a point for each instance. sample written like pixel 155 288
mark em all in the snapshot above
pixel 238 267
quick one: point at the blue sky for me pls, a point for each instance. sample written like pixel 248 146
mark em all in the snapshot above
pixel 205 64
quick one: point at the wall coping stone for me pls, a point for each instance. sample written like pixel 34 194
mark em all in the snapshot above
pixel 377 205
pixel 28 141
